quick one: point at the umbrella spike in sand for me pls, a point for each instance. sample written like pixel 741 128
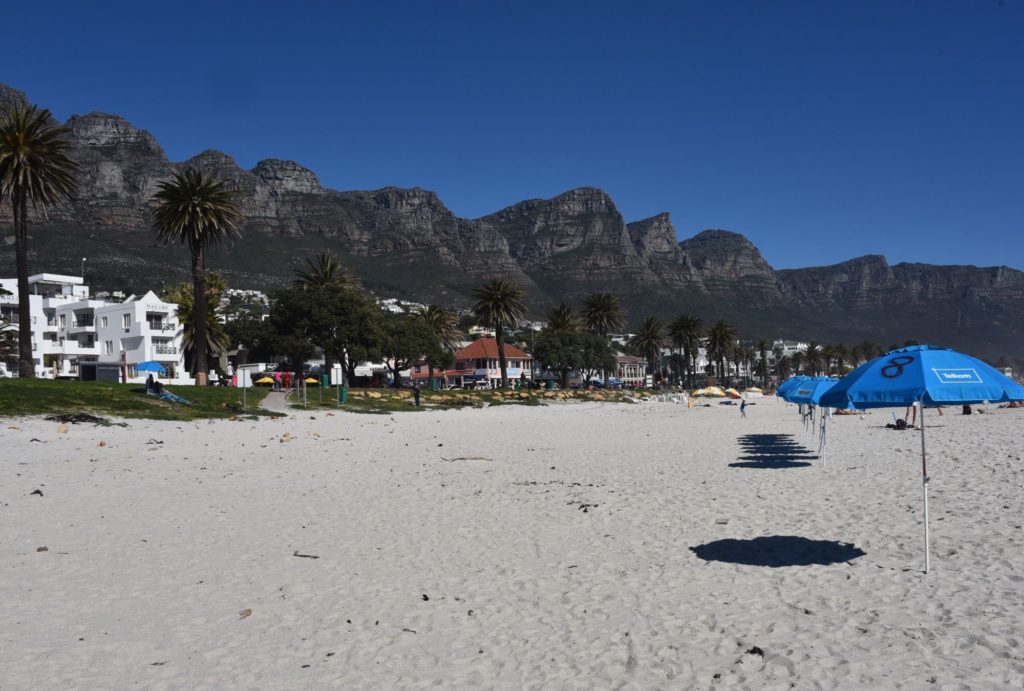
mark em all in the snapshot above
pixel 922 375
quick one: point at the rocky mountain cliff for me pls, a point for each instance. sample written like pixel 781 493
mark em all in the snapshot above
pixel 407 243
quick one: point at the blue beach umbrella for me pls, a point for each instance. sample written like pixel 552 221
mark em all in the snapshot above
pixel 809 391
pixel 788 385
pixel 926 375
pixel 150 366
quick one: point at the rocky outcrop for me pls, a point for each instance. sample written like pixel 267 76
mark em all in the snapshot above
pixel 406 242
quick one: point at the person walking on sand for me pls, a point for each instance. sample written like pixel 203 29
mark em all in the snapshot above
pixel 743 407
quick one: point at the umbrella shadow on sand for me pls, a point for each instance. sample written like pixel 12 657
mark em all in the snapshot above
pixel 778 550
pixel 773 451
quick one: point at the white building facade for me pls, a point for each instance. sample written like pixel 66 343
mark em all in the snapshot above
pixel 76 337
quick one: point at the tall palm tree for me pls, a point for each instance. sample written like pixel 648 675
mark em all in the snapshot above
pixel 828 356
pixel 562 318
pixel 602 314
pixel 762 351
pixel 799 362
pixel 499 304
pixel 326 271
pixel 34 169
pixel 444 324
pixel 199 211
pixel 686 331
pixel 812 358
pixel 721 342
pixel 649 340
pixel 217 339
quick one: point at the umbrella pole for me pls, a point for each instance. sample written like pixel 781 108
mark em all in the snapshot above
pixel 924 484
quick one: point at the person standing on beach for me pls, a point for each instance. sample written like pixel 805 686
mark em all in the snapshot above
pixel 743 407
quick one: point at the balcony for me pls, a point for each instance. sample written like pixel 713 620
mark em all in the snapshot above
pixel 165 350
pixel 82 326
pixel 161 326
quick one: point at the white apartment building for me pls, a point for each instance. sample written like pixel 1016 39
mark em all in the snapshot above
pixel 141 329
pixel 74 336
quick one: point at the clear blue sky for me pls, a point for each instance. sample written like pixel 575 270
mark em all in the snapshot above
pixel 820 130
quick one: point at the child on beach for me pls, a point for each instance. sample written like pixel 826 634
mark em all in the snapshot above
pixel 743 407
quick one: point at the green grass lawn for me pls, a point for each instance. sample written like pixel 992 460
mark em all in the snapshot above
pixel 49 397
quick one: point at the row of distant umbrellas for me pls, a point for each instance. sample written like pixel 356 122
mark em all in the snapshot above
pixel 924 375
pixel 717 392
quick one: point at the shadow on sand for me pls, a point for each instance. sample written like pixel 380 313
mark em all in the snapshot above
pixel 773 451
pixel 778 550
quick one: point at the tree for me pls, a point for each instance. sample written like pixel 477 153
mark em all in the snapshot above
pixel 252 334
pixel 561 351
pixel 562 318
pixel 445 327
pixel 649 340
pixel 686 331
pixel 813 357
pixel 499 304
pixel 197 210
pixel 762 351
pixel 798 361
pixel 597 355
pixel 325 271
pixel 721 343
pixel 407 341
pixel 602 315
pixel 34 169
pixel 217 339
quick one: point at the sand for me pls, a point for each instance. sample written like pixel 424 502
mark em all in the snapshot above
pixel 572 545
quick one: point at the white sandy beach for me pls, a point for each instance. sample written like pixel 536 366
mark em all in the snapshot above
pixel 538 547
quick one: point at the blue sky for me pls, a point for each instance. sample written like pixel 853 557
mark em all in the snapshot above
pixel 820 130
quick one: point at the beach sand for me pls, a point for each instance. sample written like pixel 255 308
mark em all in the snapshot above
pixel 571 545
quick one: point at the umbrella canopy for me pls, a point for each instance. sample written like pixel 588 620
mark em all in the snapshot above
pixel 926 375
pixel 264 380
pixel 755 389
pixel 150 366
pixel 810 390
pixel 931 375
pixel 789 384
pixel 311 380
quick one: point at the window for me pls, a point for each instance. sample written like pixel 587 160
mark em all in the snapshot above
pixel 108 347
pixel 103 322
pixel 63 320
pixel 126 320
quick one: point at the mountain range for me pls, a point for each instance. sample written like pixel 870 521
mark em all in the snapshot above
pixel 406 243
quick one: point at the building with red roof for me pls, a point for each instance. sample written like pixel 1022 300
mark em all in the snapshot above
pixel 477 365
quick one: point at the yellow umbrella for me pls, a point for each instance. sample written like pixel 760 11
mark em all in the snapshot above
pixel 264 380
pixel 733 392
pixel 311 380
pixel 755 389
pixel 713 391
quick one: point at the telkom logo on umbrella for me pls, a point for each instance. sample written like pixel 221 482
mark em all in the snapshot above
pixel 958 376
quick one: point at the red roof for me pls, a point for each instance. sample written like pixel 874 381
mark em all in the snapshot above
pixel 488 348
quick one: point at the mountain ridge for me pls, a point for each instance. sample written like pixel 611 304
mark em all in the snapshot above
pixel 405 242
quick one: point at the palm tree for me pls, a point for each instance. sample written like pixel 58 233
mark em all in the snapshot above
pixel 444 324
pixel 828 355
pixel 762 350
pixel 812 358
pixel 649 340
pixel 799 362
pixel 217 339
pixel 326 271
pixel 196 209
pixel 34 169
pixel 562 318
pixel 602 314
pixel 721 342
pixel 685 332
pixel 499 304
